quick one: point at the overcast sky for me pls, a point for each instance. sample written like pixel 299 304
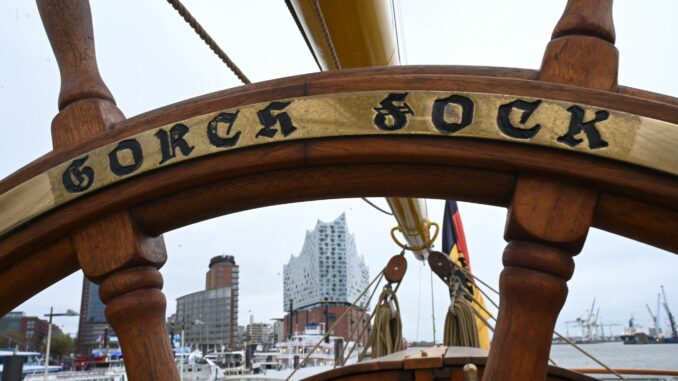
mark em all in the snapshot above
pixel 149 58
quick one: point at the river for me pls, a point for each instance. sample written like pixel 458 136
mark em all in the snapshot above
pixel 618 355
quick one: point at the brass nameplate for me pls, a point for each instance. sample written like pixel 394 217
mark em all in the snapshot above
pixel 563 125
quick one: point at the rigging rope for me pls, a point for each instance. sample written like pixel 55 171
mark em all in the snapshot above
pixel 419 303
pixel 387 332
pixel 363 327
pixel 433 310
pixel 202 33
pixel 487 324
pixel 341 317
pixel 577 347
pixel 460 323
pixel 326 34
pixel 376 207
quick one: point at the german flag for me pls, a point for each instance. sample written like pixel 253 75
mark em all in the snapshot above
pixel 454 241
pixel 454 244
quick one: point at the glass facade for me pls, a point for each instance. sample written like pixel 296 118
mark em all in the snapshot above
pixel 327 269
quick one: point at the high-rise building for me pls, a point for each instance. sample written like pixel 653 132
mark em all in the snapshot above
pixel 93 328
pixel 210 317
pixel 324 279
pixel 223 272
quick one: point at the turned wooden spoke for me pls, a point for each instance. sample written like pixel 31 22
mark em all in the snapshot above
pixel 112 250
pixel 548 220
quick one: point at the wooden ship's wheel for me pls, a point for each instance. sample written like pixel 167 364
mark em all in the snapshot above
pixel 564 148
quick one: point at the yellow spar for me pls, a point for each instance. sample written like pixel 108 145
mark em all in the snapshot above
pixel 345 34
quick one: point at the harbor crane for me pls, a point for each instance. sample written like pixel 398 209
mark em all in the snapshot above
pixel 655 318
pixel 672 322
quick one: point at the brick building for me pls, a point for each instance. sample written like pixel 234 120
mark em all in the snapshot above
pixel 316 315
pixel 29 332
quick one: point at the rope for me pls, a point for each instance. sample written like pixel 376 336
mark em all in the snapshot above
pixel 341 317
pixel 376 207
pixel 487 324
pixel 326 34
pixel 433 310
pixel 387 336
pixel 580 349
pixel 363 327
pixel 419 302
pixel 460 323
pixel 202 33
pixel 577 347
pixel 362 331
pixel 468 274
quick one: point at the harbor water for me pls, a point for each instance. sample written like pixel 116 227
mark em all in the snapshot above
pixel 618 355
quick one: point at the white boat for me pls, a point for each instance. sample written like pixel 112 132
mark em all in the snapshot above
pixel 33 361
pixel 100 374
pixel 280 375
pixel 194 367
pixel 301 344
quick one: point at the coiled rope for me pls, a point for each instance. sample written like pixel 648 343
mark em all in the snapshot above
pixel 460 323
pixel 387 332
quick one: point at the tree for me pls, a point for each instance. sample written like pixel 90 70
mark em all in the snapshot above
pixel 61 346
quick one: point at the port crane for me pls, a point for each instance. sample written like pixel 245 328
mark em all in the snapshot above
pixel 655 317
pixel 672 322
pixel 589 324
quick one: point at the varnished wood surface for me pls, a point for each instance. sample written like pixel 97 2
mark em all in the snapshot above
pixel 114 242
pixel 549 219
pixel 450 368
pixel 69 28
pixel 111 250
pixel 500 159
pixel 587 17
pixel 553 197
pixel 397 78
pixel 35 271
pixel 194 191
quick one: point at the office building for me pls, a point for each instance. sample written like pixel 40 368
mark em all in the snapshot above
pixel 260 334
pixel 93 328
pixel 210 317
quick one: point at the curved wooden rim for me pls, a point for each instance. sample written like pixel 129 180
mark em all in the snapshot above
pixel 463 169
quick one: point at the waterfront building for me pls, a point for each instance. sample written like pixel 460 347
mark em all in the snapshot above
pixel 260 334
pixel 324 279
pixel 93 328
pixel 11 322
pixel 28 332
pixel 210 317
pixel 278 331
